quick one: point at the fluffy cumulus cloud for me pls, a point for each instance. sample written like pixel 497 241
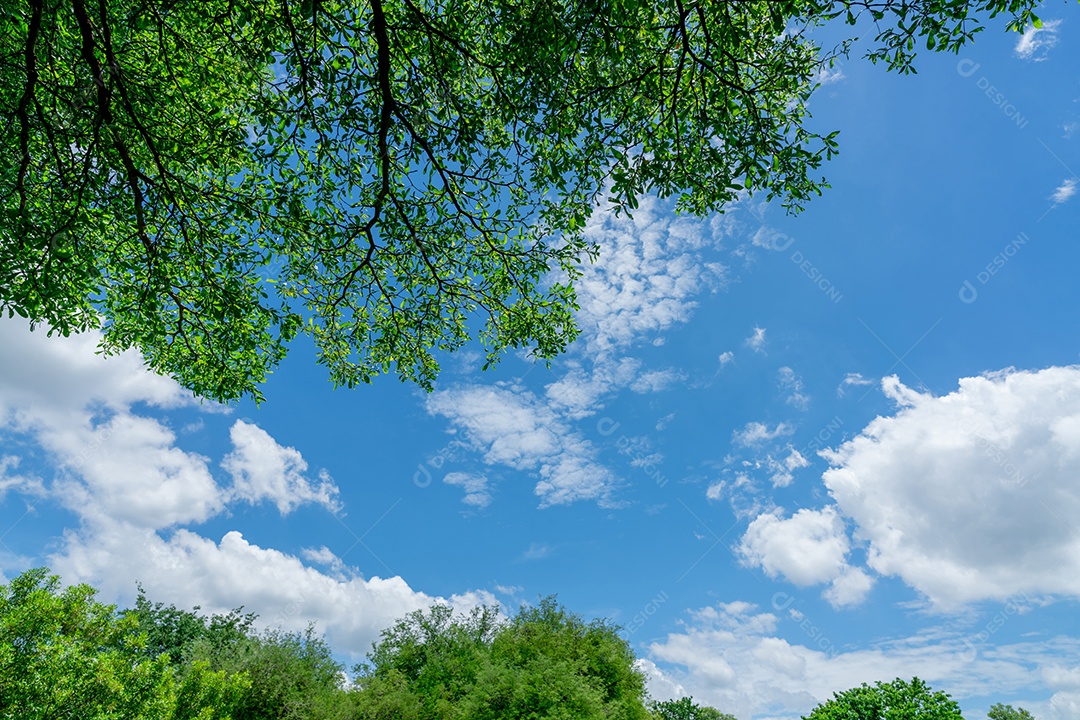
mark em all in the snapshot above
pixel 511 426
pixel 188 568
pixel 781 661
pixel 135 493
pixel 808 548
pixel 262 469
pixel 1036 42
pixel 47 379
pixel 76 406
pixel 972 495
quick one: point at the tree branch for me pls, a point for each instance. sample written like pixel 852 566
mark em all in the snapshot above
pixel 24 102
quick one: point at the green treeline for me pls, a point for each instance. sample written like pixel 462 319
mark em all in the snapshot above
pixel 63 655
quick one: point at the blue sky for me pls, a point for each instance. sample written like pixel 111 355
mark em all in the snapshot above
pixel 788 454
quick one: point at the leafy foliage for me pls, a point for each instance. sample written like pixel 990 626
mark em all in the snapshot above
pixel 685 709
pixel 289 675
pixel 204 179
pixel 1008 712
pixel 897 700
pixel 293 676
pixel 175 632
pixel 64 655
pixel 544 664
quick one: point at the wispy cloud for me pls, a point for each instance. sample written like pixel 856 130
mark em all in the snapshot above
pixel 651 269
pixel 756 341
pixel 793 385
pixel 755 433
pixel 1064 191
pixel 828 75
pixel 477 492
pixel 1036 42
pixel 851 380
pixel 512 427
pixel 536 551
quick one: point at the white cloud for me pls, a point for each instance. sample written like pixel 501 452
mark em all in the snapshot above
pixel 1064 191
pixel 770 239
pixel 755 433
pixel 781 664
pixel 124 477
pixel 188 569
pixel 848 588
pixel 783 470
pixel 536 551
pixel 510 426
pixel 46 379
pixel 972 495
pixel 756 341
pixel 326 557
pixel 77 406
pixel 649 270
pixel 827 76
pixel 129 468
pixel 580 391
pixel 262 469
pixel 852 380
pixel 726 357
pixel 808 548
pixel 793 384
pixel 9 481
pixel 1036 43
pixel 477 492
pixel 656 380
pixel 742 494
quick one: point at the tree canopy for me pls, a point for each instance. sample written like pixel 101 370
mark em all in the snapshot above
pixel 1001 711
pixel 685 709
pixel 896 700
pixel 543 663
pixel 65 655
pixel 205 179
